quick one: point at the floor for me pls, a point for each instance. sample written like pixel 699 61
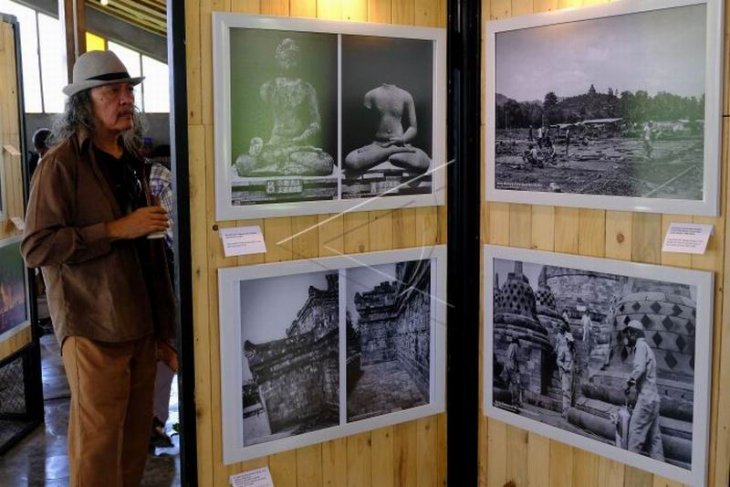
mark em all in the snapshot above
pixel 40 459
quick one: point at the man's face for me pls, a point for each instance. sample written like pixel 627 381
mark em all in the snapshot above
pixel 631 336
pixel 113 107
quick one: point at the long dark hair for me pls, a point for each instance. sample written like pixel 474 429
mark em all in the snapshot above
pixel 79 114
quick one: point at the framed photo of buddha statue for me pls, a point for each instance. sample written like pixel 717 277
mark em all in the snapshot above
pixel 317 116
pixel 609 356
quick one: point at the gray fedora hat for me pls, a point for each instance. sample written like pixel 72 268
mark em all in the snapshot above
pixel 98 68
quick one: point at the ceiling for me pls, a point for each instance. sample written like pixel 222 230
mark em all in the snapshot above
pixel 150 15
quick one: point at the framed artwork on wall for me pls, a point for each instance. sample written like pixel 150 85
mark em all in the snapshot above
pixel 614 106
pixel 3 216
pixel 14 308
pixel 609 356
pixel 318 116
pixel 323 348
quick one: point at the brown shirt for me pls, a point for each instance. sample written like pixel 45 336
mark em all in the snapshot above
pixel 96 288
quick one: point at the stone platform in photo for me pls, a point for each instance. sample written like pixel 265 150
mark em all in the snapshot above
pixel 386 177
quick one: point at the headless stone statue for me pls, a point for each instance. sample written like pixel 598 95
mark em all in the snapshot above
pixel 392 142
pixel 289 150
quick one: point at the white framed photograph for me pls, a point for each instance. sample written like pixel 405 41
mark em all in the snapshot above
pixel 609 356
pixel 14 305
pixel 318 116
pixel 318 349
pixel 614 106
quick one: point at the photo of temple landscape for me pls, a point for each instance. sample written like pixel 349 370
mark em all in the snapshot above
pixel 290 342
pixel 389 338
pixel 609 106
pixel 13 299
pixel 604 356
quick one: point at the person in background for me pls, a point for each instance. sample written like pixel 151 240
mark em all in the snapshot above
pixel 587 324
pixel 512 370
pixel 565 366
pixel 109 292
pixel 40 144
pixel 160 180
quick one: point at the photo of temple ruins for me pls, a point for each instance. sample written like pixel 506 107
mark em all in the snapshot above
pixel 387 116
pixel 290 341
pixel 13 301
pixel 610 106
pixel 389 342
pixel 603 356
pixel 283 116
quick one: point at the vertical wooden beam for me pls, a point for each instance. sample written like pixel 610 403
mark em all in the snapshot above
pixel 72 14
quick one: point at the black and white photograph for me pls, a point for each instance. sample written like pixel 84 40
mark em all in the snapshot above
pixel 317 349
pixel 612 358
pixel 283 116
pixel 387 105
pixel 290 342
pixel 604 106
pixel 388 338
pixel 315 116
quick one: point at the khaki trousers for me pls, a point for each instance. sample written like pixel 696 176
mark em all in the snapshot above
pixel 112 386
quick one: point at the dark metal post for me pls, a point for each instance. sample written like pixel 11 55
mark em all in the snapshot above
pixel 183 273
pixel 464 200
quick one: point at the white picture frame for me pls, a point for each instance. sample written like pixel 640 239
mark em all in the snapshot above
pixel 620 158
pixel 259 348
pixel 269 184
pixel 675 306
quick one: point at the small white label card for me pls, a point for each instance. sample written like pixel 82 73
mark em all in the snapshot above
pixel 261 477
pixel 687 238
pixel 18 222
pixel 243 241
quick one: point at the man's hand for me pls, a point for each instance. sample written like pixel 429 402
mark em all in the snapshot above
pixel 629 384
pixel 139 223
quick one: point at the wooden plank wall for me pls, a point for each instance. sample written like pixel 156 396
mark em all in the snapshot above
pixel 509 455
pixel 10 160
pixel 410 454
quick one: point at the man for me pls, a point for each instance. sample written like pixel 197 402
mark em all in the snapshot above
pixel 644 434
pixel 648 136
pixel 512 371
pixel 587 324
pixel 109 291
pixel 565 366
pixel 393 139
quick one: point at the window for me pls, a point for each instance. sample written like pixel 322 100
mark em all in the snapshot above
pixel 44 64
pixel 29 48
